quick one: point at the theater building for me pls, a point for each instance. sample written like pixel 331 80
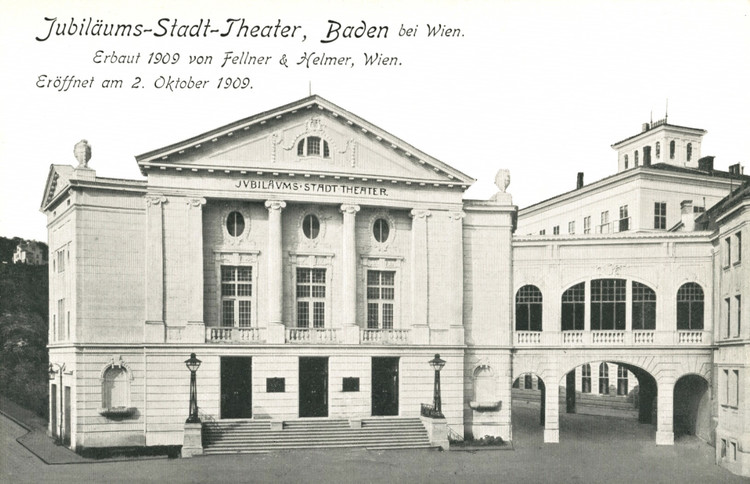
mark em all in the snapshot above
pixel 315 264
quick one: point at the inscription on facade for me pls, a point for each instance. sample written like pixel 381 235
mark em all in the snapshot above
pixel 310 187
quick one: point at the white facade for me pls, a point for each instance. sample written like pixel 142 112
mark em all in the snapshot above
pixel 315 263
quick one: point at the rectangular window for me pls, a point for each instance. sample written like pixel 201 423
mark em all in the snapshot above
pixel 723 448
pixel 624 222
pixel 556 230
pixel 660 215
pixel 236 296
pixel 604 222
pixel 380 296
pixel 738 326
pixel 311 296
pixel 61 319
pixel 724 388
pixel 67 325
pixel 733 390
pixel 61 260
pixel 571 227
pixel 738 248
pixel 587 225
pixel 608 304
pixel 728 306
pixel 542 232
pixel 527 381
pixel 727 251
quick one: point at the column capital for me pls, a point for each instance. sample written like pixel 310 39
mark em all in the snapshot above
pixel 419 213
pixel 275 205
pixel 155 200
pixel 349 208
pixel 457 215
pixel 196 202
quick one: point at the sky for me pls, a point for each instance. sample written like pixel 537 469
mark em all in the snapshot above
pixel 542 88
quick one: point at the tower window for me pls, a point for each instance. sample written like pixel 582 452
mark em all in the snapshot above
pixel 658 150
pixel 671 150
pixel 689 151
pixel 626 162
pixel 635 158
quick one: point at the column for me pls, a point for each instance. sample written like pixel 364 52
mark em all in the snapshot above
pixel 551 409
pixel 154 320
pixel 419 279
pixel 349 269
pixel 455 273
pixel 664 411
pixel 275 265
pixel 195 330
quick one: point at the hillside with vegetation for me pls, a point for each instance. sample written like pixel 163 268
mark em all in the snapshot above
pixel 23 331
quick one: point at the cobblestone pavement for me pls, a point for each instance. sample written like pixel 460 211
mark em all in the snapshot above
pixel 592 449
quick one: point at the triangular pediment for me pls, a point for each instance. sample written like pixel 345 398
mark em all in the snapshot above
pixel 57 180
pixel 311 136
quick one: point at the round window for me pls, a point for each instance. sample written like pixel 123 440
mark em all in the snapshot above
pixel 235 224
pixel 380 230
pixel 311 226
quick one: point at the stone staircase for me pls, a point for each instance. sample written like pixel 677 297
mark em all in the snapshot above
pixel 254 436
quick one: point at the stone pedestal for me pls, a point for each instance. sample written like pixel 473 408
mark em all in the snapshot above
pixel 437 431
pixel 154 332
pixel 420 335
pixel 664 438
pixel 350 334
pixel 275 334
pixel 192 443
pixel 195 332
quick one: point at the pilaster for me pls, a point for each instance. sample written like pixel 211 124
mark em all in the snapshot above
pixel 275 265
pixel 419 281
pixel 349 269
pixel 154 280
pixel 194 261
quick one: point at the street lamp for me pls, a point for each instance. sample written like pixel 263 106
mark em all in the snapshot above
pixel 193 364
pixel 437 364
pixel 52 372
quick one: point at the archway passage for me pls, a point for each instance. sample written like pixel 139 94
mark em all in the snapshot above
pixel 528 408
pixel 692 407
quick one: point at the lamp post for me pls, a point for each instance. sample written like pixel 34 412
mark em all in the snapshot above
pixel 437 364
pixel 193 364
pixel 51 371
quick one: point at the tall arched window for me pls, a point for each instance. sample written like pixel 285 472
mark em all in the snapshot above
pixel 658 150
pixel 671 150
pixel 573 308
pixel 604 379
pixel 622 380
pixel 608 304
pixel 690 306
pixel 635 158
pixel 529 309
pixel 586 378
pixel 626 162
pixel 644 307
pixel 311 146
pixel 689 151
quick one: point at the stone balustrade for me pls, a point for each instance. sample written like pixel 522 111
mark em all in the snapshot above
pixel 612 338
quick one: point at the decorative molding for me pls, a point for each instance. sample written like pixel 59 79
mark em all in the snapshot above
pixel 196 202
pixel 349 208
pixel 275 205
pixel 227 238
pixel 392 232
pixel 322 220
pixel 610 269
pixel 420 213
pixel 116 362
pixel 381 262
pixel 153 200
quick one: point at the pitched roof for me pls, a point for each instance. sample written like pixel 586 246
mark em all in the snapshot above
pixel 407 151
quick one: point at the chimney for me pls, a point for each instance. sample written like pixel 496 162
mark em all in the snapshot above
pixel 687 215
pixel 644 127
pixel 706 164
pixel 736 169
pixel 579 180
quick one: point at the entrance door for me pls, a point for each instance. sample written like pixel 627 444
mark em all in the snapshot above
pixel 385 386
pixel 236 387
pixel 313 387
pixel 66 427
pixel 53 410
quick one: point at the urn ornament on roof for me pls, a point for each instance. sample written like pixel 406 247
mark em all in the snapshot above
pixel 82 152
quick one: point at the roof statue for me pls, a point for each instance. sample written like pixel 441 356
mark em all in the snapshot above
pixel 82 152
